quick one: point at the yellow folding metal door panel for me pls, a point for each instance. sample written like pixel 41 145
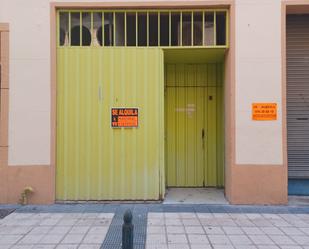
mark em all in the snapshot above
pixel 193 158
pixel 184 142
pixel 214 105
pixel 210 176
pixel 95 161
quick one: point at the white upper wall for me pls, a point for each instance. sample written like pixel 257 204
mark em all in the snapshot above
pixel 29 106
pixel 258 79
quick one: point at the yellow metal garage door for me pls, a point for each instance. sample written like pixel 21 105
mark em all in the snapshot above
pixel 194 125
pixel 95 161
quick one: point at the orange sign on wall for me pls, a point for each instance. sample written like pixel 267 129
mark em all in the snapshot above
pixel 124 117
pixel 264 111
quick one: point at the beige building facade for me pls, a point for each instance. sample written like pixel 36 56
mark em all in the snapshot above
pixel 255 72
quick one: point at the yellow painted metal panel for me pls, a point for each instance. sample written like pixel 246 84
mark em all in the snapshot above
pixel 212 75
pixel 170 74
pixel 220 74
pixel 184 141
pixel 211 137
pixel 201 56
pixel 95 161
pixel 194 102
pixel 201 75
pixel 220 137
pixel 180 75
pixel 170 135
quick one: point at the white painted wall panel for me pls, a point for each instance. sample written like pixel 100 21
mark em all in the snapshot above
pixel 258 79
pixel 29 104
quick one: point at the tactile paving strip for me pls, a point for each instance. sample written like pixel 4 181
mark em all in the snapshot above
pixel 5 212
pixel 113 239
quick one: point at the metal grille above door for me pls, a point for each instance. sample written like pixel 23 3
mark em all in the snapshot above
pixel 143 28
pixel 298 95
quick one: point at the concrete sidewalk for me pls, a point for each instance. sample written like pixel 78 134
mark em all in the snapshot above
pixel 156 226
pixel 227 230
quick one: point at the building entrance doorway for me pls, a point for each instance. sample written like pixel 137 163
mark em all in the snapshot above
pixel 116 59
pixel 194 125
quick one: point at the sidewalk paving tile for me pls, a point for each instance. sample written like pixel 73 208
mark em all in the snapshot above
pixel 89 246
pixel 161 246
pixel 73 239
pixel 9 239
pixel 156 230
pixel 268 247
pixel 253 230
pixel 79 230
pixel 291 247
pixel 191 222
pixel 240 240
pixel 301 240
pixel 98 230
pixel 178 246
pixel 22 247
pixel 94 238
pixel 31 239
pixel 282 240
pixel 245 247
pixel 40 230
pixel 213 230
pixel 233 230
pixel 175 229
pixel 51 238
pixel 198 239
pixel 292 231
pixel 156 239
pixel 305 230
pixel 261 240
pixel 223 246
pixel 60 229
pixel 219 239
pixel 173 222
pixel 196 246
pixel 67 246
pixel 177 239
pixel 194 230
pixel 40 246
pixel 272 230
